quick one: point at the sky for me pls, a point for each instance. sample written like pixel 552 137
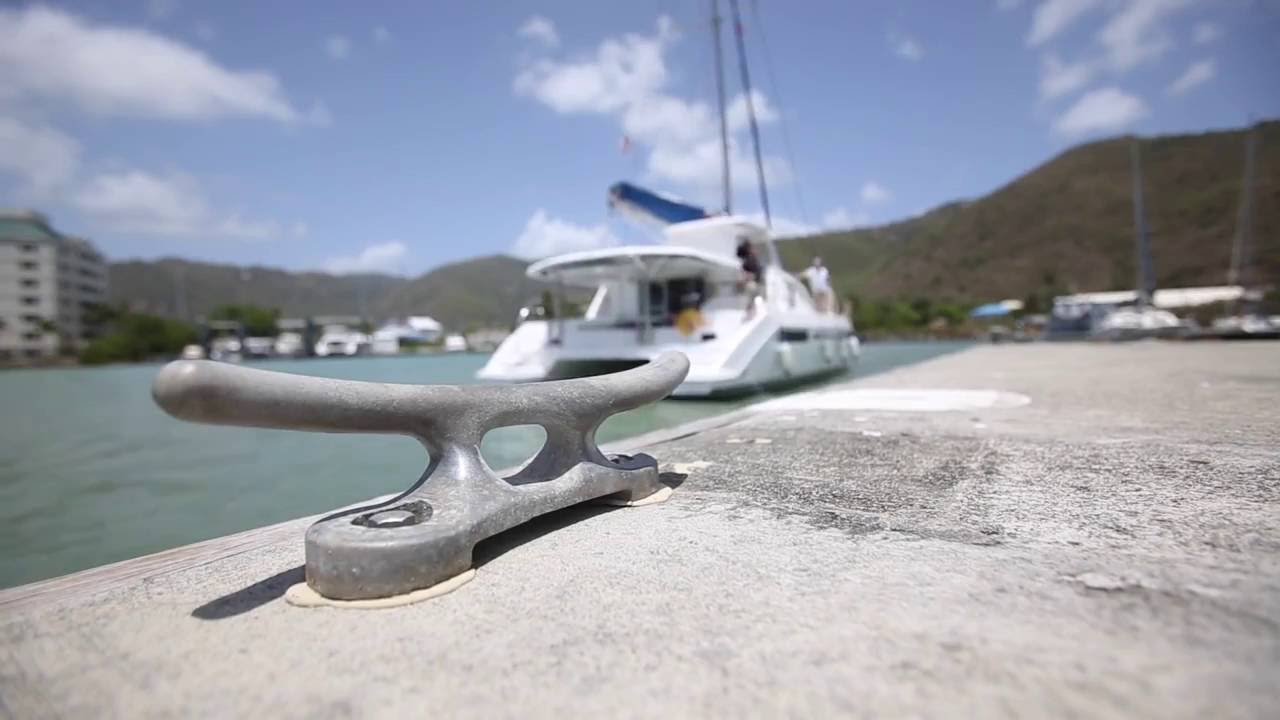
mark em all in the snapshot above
pixel 396 137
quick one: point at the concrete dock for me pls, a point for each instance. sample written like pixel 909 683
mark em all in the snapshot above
pixel 1095 532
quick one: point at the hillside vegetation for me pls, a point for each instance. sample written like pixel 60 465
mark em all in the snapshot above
pixel 483 291
pixel 1062 227
pixel 1068 226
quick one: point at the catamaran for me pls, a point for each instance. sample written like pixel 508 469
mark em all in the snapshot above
pixel 687 293
pixel 1247 322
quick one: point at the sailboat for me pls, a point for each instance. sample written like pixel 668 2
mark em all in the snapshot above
pixel 1249 324
pixel 687 293
pixel 1141 319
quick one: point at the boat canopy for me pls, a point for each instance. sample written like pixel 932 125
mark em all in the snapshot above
pixel 589 268
pixel 996 309
pixel 648 205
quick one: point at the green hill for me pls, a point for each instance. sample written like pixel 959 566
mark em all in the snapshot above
pixel 484 291
pixel 1064 226
pixel 1068 226
pixel 186 288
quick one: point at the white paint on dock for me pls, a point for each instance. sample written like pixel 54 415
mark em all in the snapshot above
pixel 895 400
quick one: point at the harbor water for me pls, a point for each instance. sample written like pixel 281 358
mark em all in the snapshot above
pixel 92 472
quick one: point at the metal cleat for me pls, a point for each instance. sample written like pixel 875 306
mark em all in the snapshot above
pixel 426 535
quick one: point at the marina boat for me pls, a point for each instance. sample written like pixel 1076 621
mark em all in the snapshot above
pixel 1245 327
pixel 1121 315
pixel 1137 322
pixel 1248 322
pixel 687 293
pixel 338 341
pixel 259 348
pixel 392 338
pixel 290 344
pixel 1142 319
pixel 641 307
pixel 226 348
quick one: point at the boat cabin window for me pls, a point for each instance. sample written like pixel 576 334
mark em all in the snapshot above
pixel 669 298
pixel 622 303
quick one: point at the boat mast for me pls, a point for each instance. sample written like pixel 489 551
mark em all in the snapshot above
pixel 1244 220
pixel 755 128
pixel 725 180
pixel 1146 283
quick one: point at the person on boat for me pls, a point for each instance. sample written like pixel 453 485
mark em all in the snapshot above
pixel 752 273
pixel 689 320
pixel 819 284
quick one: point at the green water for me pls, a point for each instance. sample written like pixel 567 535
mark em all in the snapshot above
pixel 92 472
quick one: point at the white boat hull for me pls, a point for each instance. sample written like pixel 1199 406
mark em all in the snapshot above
pixel 765 355
pixel 740 337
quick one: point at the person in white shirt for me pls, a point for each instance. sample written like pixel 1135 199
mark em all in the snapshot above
pixel 819 284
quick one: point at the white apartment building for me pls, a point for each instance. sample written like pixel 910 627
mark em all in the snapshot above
pixel 47 282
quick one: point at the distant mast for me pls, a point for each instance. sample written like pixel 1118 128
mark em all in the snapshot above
pixel 1240 246
pixel 755 128
pixel 1146 282
pixel 725 179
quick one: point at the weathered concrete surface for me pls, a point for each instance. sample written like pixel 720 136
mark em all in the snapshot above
pixel 1110 549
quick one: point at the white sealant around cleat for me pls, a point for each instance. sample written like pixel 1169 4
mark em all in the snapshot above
pixel 652 499
pixel 301 595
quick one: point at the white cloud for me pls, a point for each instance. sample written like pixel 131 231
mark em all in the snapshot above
pixel 1195 75
pixel 161 9
pixel 42 158
pixel 235 226
pixel 1131 33
pixel 699 167
pixel 544 236
pixel 337 47
pixel 626 79
pixel 784 227
pixel 873 193
pixel 1052 17
pixel 1105 110
pixel 381 35
pixel 1137 33
pixel 1058 78
pixel 1008 4
pixel 540 30
pixel 113 70
pixel 173 206
pixel 140 202
pixel 383 258
pixel 1205 32
pixel 665 120
pixel 623 71
pixel 735 113
pixel 841 218
pixel 905 46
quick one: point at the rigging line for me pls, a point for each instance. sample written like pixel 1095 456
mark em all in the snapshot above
pixel 754 126
pixel 725 179
pixel 782 114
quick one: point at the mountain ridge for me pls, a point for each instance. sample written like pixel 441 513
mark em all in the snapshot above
pixel 1065 225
